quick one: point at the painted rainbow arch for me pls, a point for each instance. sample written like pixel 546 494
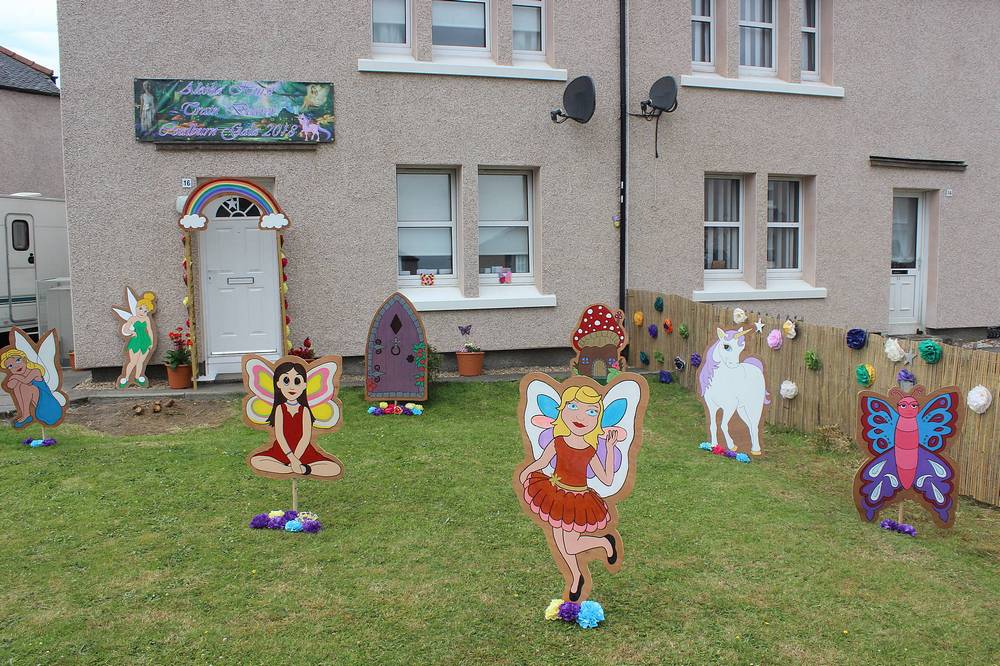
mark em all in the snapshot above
pixel 209 191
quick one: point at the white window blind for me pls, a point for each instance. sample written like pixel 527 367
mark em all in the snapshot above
pixel 458 23
pixel 389 21
pixel 527 25
pixel 425 217
pixel 505 220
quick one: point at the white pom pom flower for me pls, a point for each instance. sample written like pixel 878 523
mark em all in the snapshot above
pixel 739 315
pixel 894 350
pixel 979 399
pixel 789 389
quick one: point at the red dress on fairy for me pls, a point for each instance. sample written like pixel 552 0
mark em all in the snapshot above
pixel 564 500
pixel 292 429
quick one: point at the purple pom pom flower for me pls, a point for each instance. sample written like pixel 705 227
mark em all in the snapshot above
pixel 291 515
pixel 906 378
pixel 666 377
pixel 259 521
pixel 856 338
pixel 695 360
pixel 569 611
pixel 276 523
pixel 654 331
pixel 311 526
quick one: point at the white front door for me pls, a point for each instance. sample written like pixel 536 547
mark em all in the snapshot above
pixel 905 280
pixel 240 304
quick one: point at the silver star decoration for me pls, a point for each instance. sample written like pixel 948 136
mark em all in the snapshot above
pixel 759 325
pixel 908 357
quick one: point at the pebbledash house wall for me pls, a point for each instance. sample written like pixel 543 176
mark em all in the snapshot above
pixel 916 83
pixel 30 143
pixel 340 198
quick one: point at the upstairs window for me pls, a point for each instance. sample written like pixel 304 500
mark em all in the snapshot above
pixel 723 226
pixel 460 23
pixel 757 38
pixel 702 34
pixel 528 21
pixel 784 225
pixel 810 40
pixel 389 22
pixel 425 220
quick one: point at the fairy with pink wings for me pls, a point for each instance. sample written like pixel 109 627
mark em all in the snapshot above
pixel 295 400
pixel 581 440
pixel 906 435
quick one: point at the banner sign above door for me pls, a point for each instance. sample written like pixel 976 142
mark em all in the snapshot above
pixel 208 111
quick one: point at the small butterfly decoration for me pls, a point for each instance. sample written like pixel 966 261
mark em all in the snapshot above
pixel 906 434
pixel 465 330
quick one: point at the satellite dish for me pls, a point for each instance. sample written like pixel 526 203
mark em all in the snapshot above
pixel 579 101
pixel 663 94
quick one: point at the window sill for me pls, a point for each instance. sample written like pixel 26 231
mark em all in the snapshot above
pixel 737 290
pixel 761 85
pixel 464 67
pixel 491 297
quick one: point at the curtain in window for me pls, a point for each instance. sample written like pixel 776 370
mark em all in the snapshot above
pixel 783 201
pixel 722 200
pixel 389 21
pixel 701 41
pixel 527 28
pixel 783 247
pixel 755 43
pixel 722 248
pixel 904 232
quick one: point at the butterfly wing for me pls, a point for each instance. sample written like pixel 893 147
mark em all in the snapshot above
pixel 321 392
pixel 45 357
pixel 878 422
pixel 125 316
pixel 876 484
pixel 937 420
pixel 259 380
pixel 933 483
pixel 621 410
pixel 541 400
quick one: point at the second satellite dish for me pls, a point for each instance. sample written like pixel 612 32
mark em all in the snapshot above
pixel 579 101
pixel 663 94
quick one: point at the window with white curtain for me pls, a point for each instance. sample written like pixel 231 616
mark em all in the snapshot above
pixel 702 33
pixel 784 225
pixel 389 22
pixel 810 40
pixel 425 221
pixel 460 23
pixel 505 221
pixel 723 226
pixel 528 23
pixel 757 36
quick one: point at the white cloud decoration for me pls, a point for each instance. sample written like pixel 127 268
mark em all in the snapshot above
pixel 894 350
pixel 788 389
pixel 193 222
pixel 273 221
pixel 979 399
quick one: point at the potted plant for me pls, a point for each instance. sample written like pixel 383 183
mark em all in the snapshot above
pixel 305 352
pixel 470 357
pixel 178 359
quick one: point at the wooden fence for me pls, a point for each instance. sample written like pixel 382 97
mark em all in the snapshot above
pixel 828 396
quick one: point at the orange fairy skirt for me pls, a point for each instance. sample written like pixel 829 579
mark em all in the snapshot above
pixel 570 510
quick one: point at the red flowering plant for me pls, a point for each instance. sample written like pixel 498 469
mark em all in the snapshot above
pixel 306 351
pixel 180 347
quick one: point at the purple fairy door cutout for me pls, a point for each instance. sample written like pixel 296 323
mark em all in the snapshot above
pixel 396 353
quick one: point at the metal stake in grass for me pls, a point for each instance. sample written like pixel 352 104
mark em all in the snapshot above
pixel 295 494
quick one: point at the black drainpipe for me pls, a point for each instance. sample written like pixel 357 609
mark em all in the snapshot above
pixel 622 149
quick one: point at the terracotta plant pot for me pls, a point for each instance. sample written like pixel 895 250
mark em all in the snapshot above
pixel 179 377
pixel 470 364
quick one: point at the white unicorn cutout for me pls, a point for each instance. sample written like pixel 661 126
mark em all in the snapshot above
pixel 733 386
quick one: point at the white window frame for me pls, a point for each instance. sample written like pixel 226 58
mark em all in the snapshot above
pixel 460 52
pixel 516 278
pixel 389 48
pixel 532 56
pixel 788 273
pixel 750 70
pixel 709 66
pixel 439 280
pixel 725 273
pixel 809 74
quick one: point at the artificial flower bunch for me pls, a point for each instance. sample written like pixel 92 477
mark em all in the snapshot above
pixel 720 450
pixel 305 352
pixel 289 521
pixel 588 615
pixel 35 443
pixel 902 528
pixel 385 409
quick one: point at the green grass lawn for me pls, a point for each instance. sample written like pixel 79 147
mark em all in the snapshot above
pixel 136 550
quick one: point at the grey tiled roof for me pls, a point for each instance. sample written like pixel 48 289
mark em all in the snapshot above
pixel 19 73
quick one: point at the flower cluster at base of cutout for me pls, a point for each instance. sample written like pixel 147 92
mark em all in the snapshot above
pixel 979 399
pixel 902 528
pixel 695 360
pixel 906 379
pixel 865 374
pixel 385 409
pixel 719 450
pixel 930 351
pixel 289 521
pixel 35 443
pixel 775 339
pixel 587 615
pixel 856 338
pixel 666 377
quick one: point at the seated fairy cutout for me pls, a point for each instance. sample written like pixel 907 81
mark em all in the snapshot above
pixel 33 378
pixel 905 434
pixel 291 398
pixel 581 440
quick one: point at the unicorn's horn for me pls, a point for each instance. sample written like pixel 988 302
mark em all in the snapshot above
pixel 740 333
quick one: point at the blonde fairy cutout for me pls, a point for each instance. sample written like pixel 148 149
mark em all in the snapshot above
pixel 11 353
pixel 584 395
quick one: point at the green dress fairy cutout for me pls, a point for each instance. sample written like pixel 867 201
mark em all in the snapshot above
pixel 139 332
